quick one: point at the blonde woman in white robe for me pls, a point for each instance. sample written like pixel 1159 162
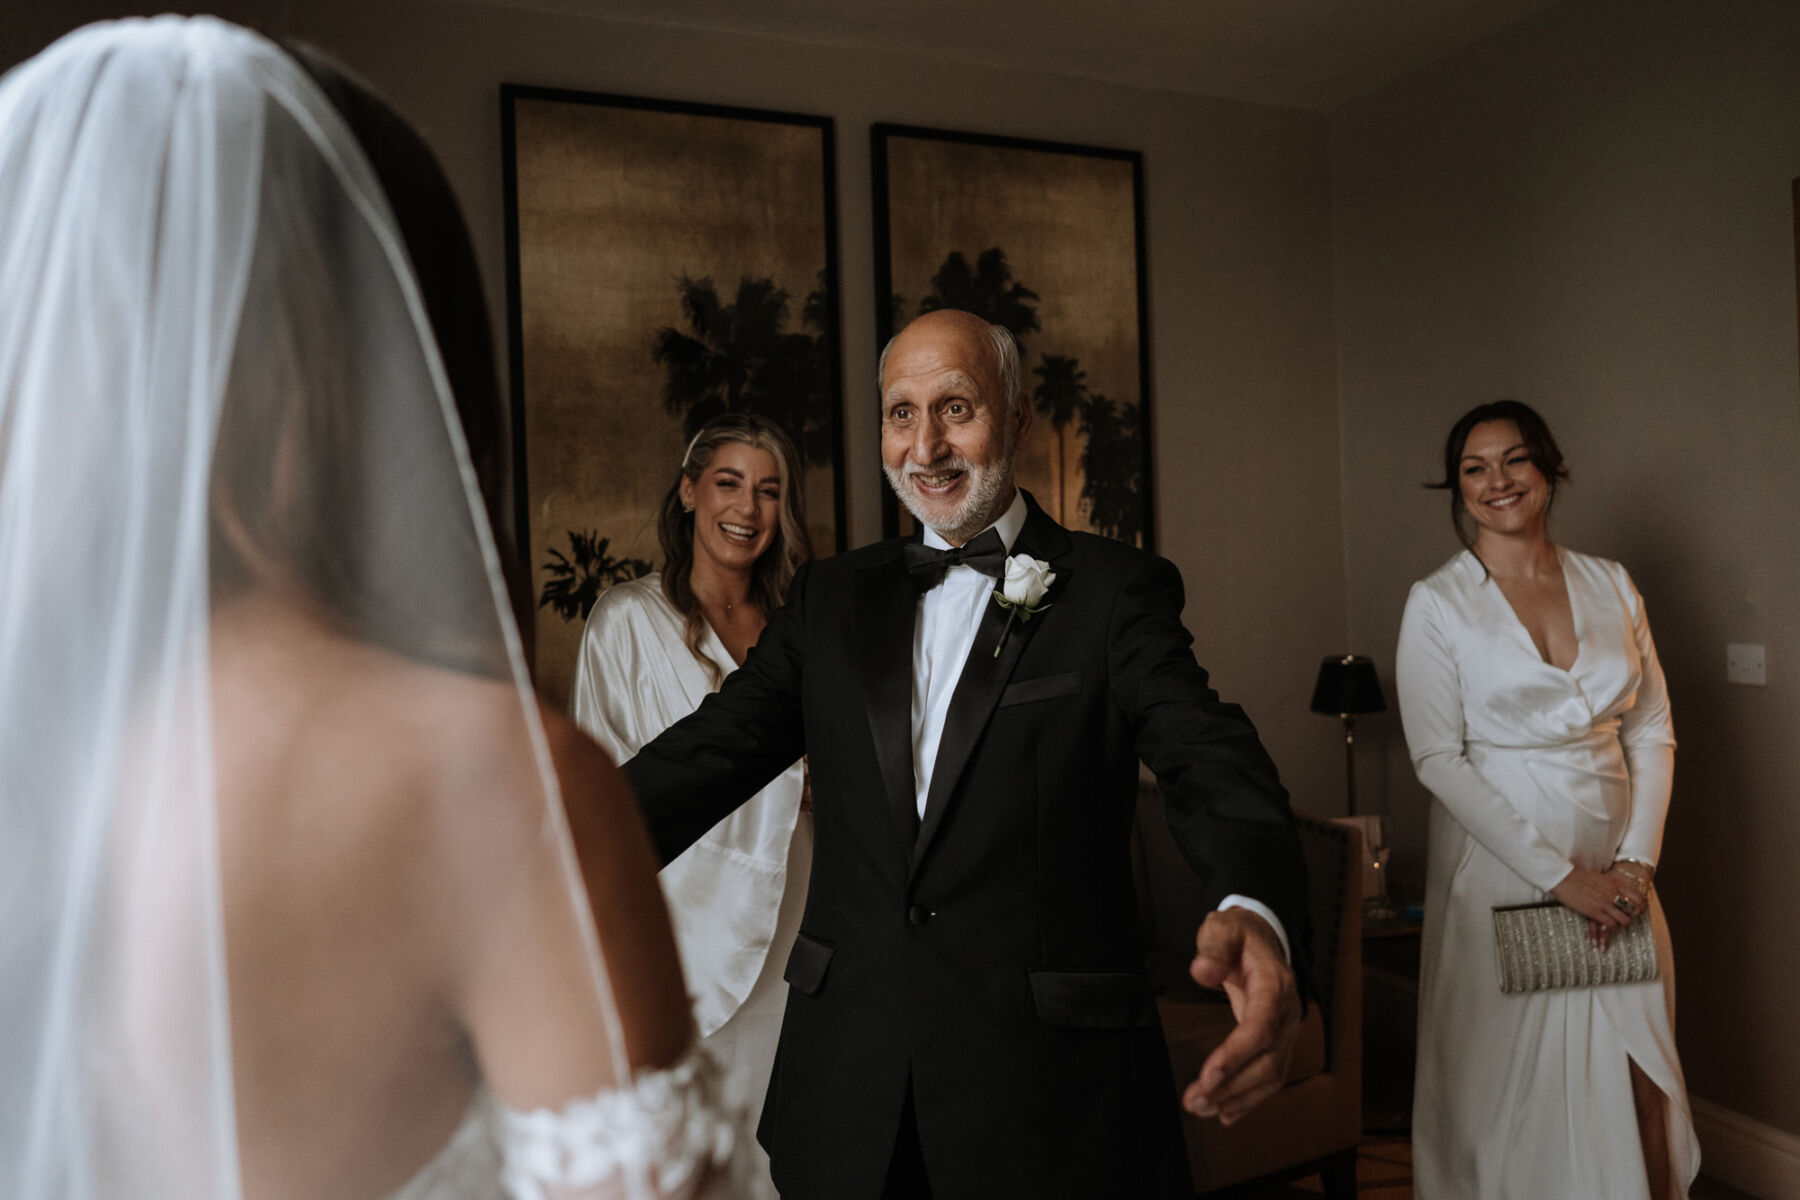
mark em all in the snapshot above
pixel 1536 713
pixel 733 533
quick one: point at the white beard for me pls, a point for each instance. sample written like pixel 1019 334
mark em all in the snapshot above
pixel 978 508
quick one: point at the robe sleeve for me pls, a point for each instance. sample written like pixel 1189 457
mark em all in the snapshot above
pixel 602 701
pixel 695 773
pixel 1431 711
pixel 1648 735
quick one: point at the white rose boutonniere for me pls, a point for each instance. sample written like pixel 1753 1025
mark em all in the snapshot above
pixel 1022 590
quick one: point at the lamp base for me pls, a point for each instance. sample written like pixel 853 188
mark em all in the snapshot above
pixel 1377 907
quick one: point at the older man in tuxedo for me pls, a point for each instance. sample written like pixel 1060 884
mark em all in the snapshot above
pixel 968 1014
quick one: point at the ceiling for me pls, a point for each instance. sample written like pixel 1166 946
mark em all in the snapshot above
pixel 1308 54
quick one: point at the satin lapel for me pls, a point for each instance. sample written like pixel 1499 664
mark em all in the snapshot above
pixel 985 674
pixel 886 611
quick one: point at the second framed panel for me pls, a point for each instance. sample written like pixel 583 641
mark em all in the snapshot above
pixel 1046 239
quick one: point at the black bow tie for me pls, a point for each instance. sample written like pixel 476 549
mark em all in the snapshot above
pixel 987 554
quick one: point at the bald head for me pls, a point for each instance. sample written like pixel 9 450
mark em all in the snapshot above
pixel 978 339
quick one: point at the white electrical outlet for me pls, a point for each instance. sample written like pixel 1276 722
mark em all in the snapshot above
pixel 1744 664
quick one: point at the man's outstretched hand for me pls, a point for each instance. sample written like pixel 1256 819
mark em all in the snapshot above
pixel 1237 951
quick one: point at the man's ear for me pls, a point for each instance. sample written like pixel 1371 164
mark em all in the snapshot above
pixel 1022 407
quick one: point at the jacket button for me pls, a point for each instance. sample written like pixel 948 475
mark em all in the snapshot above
pixel 917 915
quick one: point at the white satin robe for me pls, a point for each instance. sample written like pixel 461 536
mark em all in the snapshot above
pixel 1533 769
pixel 735 896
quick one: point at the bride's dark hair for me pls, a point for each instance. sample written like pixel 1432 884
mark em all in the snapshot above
pixel 289 466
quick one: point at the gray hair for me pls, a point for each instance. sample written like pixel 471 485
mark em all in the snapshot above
pixel 1006 362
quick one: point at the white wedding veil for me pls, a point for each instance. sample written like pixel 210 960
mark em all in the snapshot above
pixel 248 598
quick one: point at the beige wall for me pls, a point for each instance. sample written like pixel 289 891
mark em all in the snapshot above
pixel 1592 213
pixel 1243 404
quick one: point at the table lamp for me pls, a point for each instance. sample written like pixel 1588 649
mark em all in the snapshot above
pixel 1347 687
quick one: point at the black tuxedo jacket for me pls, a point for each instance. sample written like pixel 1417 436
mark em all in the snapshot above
pixel 987 956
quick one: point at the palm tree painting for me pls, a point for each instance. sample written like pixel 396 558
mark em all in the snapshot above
pixel 1061 397
pixel 666 262
pixel 989 290
pixel 741 357
pixel 1043 239
pixel 577 578
pixel 1112 462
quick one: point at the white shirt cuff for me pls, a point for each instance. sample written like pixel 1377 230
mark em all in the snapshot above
pixel 1262 910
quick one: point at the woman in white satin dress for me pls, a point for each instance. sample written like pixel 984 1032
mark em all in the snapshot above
pixel 1536 713
pixel 733 533
pixel 293 907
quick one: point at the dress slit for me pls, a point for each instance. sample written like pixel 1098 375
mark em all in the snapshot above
pixel 1664 1114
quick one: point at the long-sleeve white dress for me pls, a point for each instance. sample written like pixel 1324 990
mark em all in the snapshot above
pixel 735 896
pixel 1533 769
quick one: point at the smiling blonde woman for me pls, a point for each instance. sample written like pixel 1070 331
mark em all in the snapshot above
pixel 733 533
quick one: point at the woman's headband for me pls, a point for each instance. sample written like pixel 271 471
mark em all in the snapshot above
pixel 752 425
pixel 689 453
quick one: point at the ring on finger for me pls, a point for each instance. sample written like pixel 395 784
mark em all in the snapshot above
pixel 1625 904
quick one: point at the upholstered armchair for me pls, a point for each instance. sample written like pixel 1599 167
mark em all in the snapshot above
pixel 1314 1123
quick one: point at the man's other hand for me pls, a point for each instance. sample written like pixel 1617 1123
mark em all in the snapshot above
pixel 1237 951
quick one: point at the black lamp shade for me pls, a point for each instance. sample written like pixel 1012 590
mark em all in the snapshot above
pixel 1347 686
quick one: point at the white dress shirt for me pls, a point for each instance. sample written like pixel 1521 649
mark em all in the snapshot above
pixel 949 617
pixel 944 633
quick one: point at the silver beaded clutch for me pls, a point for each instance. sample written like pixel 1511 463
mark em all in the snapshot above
pixel 1544 946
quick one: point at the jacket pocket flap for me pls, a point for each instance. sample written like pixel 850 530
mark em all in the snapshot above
pixel 1093 999
pixel 1046 687
pixel 807 963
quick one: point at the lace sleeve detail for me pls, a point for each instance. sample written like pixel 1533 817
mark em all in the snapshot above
pixel 666 1136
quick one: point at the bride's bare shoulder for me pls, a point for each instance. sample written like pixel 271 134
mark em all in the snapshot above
pixel 492 721
pixel 392 736
pixel 289 686
pixel 611 851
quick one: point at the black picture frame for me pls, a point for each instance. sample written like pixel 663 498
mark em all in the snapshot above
pixel 970 220
pixel 665 261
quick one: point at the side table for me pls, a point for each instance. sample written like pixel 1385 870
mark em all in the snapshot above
pixel 1390 954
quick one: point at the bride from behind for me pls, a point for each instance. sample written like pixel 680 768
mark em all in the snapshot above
pixel 304 895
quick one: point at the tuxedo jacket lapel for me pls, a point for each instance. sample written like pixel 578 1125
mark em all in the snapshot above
pixel 886 610
pixel 984 677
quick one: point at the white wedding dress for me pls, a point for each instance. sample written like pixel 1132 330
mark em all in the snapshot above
pixel 1532 768
pixel 660 1138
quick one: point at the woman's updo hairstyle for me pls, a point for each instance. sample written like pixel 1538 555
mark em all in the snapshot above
pixel 1534 433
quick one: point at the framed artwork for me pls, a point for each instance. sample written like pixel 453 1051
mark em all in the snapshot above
pixel 1046 239
pixel 666 262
